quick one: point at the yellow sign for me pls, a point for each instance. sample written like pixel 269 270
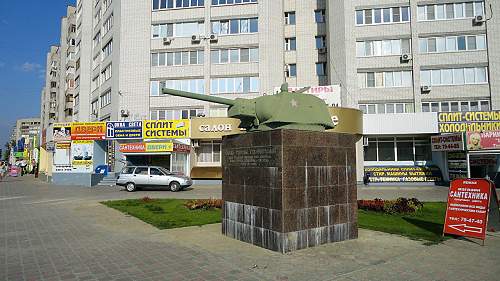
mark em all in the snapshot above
pixel 165 129
pixel 214 127
pixel 159 146
pixel 469 121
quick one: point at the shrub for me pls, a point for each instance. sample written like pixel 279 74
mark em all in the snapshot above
pixel 376 205
pixel 154 208
pixel 146 199
pixel 204 204
pixel 398 206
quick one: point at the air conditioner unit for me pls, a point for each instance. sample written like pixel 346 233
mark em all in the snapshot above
pixel 124 113
pixel 478 20
pixel 425 89
pixel 196 143
pixel 322 50
pixel 214 38
pixel 195 38
pixel 167 40
pixel 405 57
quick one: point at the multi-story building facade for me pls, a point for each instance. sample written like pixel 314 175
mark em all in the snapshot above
pixel 396 60
pixel 49 97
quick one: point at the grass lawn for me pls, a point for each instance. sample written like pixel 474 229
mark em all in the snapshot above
pixel 165 213
pixel 427 224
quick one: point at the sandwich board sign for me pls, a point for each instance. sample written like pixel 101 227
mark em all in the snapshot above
pixel 471 202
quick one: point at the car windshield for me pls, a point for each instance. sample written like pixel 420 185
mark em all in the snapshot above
pixel 167 172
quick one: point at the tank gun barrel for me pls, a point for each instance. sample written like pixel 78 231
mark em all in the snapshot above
pixel 198 96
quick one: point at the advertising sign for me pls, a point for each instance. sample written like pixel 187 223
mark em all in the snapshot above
pixel 468 207
pixel 330 93
pixel 214 128
pixel 448 142
pixel 404 174
pixel 82 152
pixel 147 147
pixel 61 132
pixel 483 140
pixel 180 147
pixel 457 165
pixel 88 131
pixel 468 121
pixel 124 130
pixel 165 129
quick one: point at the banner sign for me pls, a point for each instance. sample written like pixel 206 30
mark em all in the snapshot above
pixel 88 131
pixel 329 93
pixel 180 147
pixel 63 145
pixel 457 165
pixel 448 142
pixel 214 127
pixel 468 121
pixel 165 129
pixel 468 207
pixel 483 140
pixel 61 132
pixel 124 130
pixel 404 174
pixel 147 147
pixel 82 152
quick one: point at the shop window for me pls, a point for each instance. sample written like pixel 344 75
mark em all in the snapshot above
pixel 398 149
pixel 209 152
pixel 386 149
pixel 179 163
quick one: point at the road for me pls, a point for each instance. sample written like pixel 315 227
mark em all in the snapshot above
pixel 63 233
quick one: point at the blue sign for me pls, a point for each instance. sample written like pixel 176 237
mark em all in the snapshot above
pixel 124 130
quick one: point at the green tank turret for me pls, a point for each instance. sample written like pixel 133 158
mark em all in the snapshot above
pixel 285 110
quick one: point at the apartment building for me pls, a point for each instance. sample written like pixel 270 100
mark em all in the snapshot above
pixel 26 127
pixel 49 96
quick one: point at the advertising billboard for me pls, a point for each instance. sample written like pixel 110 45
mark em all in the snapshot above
pixel 166 129
pixel 88 131
pixel 124 130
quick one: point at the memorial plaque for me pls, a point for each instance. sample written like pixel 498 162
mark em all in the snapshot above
pixel 252 157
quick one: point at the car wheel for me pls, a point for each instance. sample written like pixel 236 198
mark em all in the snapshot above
pixel 130 187
pixel 175 186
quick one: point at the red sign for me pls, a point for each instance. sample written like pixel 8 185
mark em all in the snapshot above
pixel 133 147
pixel 483 140
pixel 88 131
pixel 468 207
pixel 179 147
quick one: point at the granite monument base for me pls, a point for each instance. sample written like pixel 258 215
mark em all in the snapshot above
pixel 286 190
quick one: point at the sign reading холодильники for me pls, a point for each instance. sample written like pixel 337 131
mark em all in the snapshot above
pixel 468 121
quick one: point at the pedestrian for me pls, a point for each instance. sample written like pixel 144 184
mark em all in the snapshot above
pixel 3 169
pixel 366 178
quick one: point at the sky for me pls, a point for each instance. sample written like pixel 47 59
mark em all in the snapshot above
pixel 27 30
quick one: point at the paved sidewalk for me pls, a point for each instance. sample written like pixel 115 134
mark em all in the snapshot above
pixel 63 233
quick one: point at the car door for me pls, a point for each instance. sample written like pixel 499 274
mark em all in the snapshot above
pixel 141 176
pixel 157 177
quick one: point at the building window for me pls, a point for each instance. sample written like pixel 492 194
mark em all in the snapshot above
pixel 452 106
pixel 96 40
pixel 450 11
pixel 320 41
pixel 394 149
pixel 93 107
pixel 222 56
pixel 231 2
pixel 386 108
pixel 388 79
pixel 382 16
pixel 95 83
pixel 383 47
pixel 53 84
pixel 454 76
pixel 176 114
pixel 182 29
pixel 218 112
pixel 321 68
pixel 108 24
pixel 106 98
pixel 209 152
pixel 291 70
pixel 235 26
pixel 290 44
pixel 107 50
pixel 290 18
pixel 319 16
pixel 106 74
pixel 452 43
pixel 187 85
pixel 176 4
pixel 234 85
pixel 177 58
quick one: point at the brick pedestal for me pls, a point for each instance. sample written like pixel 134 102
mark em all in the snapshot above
pixel 286 190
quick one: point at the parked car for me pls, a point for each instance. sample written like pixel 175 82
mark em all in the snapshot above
pixel 133 177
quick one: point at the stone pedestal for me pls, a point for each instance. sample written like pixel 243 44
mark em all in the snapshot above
pixel 286 190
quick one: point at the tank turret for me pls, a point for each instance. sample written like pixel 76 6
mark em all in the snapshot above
pixel 285 110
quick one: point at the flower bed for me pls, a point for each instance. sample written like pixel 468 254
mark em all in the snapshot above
pixel 398 206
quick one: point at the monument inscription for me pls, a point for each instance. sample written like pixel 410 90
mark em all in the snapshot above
pixel 252 157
